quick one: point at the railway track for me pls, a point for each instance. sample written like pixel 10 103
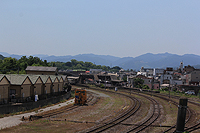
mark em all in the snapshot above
pixel 151 119
pixel 54 112
pixel 191 127
pixel 189 111
pixel 134 107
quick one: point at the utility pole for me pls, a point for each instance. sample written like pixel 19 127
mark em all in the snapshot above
pixel 169 90
pixel 182 107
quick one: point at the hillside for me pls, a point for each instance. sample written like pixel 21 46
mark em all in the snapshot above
pixel 161 60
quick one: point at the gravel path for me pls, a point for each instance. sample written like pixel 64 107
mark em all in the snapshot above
pixel 16 119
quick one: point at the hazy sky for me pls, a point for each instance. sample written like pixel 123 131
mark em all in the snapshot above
pixel 105 27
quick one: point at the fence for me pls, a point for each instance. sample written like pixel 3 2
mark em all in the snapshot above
pixel 17 107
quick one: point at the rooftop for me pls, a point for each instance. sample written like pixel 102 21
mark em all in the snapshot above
pixel 41 68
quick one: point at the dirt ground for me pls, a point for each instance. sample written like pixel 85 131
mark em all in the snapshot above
pixel 79 119
pixel 107 106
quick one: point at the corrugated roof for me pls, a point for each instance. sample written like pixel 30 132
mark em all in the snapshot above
pixel 41 68
pixel 53 78
pixel 33 78
pixel 16 79
pixel 44 78
pixel 1 76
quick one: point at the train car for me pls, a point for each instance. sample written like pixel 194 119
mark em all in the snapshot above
pixel 80 97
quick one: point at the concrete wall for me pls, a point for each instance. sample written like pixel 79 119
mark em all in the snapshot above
pixel 47 88
pixel 26 91
pixel 38 90
pixel 4 92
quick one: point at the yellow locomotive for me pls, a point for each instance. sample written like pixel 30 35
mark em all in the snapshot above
pixel 80 97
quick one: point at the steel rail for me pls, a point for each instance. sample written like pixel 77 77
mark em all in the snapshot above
pixel 58 111
pixel 117 120
pixel 154 102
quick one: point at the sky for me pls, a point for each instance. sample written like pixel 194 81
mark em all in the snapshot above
pixel 122 28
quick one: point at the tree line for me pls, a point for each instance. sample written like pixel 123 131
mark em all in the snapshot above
pixel 11 65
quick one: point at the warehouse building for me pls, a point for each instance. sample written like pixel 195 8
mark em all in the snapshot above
pixel 23 88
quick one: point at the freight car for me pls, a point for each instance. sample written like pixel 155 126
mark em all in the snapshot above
pixel 80 97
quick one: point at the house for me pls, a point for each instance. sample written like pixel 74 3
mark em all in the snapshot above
pixel 148 72
pixel 158 71
pixel 109 79
pixel 188 69
pixel 150 81
pixel 40 70
pixel 193 78
pixel 95 71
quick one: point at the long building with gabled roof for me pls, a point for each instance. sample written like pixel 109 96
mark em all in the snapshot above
pixel 20 88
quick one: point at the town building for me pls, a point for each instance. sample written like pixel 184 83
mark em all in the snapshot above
pixel 40 70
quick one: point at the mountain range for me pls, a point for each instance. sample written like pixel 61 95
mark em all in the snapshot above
pixel 147 60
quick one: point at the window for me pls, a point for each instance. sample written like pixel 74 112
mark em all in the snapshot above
pixel 22 94
pixel 12 93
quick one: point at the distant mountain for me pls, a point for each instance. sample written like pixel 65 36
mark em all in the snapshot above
pixel 149 60
pixel 161 61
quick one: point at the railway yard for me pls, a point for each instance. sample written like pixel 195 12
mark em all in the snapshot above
pixel 110 111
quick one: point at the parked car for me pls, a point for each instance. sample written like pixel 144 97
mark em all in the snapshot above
pixel 190 92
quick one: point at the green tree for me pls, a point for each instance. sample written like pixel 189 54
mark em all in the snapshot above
pixel 74 62
pixel 138 82
pixel 9 64
pixel 78 66
pixel 68 64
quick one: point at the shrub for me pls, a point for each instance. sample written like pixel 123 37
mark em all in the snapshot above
pixel 101 85
pixel 145 87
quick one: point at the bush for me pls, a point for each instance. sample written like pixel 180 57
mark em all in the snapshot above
pixel 165 89
pixel 174 89
pixel 145 87
pixel 139 86
pixel 101 86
